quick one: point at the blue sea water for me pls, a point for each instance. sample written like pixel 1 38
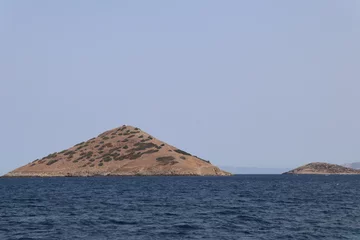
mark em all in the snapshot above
pixel 237 207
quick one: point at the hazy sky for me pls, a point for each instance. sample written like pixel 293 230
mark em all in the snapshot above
pixel 242 83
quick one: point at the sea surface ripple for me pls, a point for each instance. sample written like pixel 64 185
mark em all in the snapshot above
pixel 236 207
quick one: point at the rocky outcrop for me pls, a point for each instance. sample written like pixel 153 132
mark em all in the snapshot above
pixel 121 151
pixel 322 168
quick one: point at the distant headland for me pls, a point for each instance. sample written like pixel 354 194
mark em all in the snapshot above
pixel 123 151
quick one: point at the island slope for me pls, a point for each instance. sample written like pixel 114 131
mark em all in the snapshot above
pixel 322 168
pixel 119 152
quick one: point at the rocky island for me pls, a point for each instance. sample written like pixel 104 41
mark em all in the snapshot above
pixel 122 151
pixel 322 168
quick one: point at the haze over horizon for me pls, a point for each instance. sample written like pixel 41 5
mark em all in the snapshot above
pixel 240 83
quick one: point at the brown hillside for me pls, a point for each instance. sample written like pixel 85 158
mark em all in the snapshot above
pixel 322 168
pixel 121 151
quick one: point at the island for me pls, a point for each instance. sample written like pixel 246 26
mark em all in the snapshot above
pixel 323 168
pixel 123 151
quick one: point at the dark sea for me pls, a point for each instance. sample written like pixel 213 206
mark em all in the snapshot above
pixel 237 207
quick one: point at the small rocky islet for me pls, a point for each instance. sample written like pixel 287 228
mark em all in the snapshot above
pixel 323 168
pixel 123 151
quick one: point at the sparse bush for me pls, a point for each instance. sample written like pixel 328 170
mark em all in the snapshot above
pixel 143 146
pixel 100 164
pixel 107 159
pixel 182 152
pixel 52 155
pixel 150 151
pixel 89 154
pixel 69 153
pixel 51 162
pixel 108 145
pixel 132 155
pixel 79 144
pixel 202 159
pixel 78 148
pixel 115 149
pixel 167 160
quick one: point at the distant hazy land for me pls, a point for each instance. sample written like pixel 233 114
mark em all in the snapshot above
pixel 354 165
pixel 254 170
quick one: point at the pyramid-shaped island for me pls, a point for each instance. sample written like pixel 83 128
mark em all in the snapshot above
pixel 123 151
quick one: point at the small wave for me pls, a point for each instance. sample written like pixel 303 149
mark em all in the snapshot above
pixel 122 222
pixel 252 219
pixel 187 226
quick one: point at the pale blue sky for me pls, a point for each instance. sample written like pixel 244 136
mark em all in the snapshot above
pixel 242 83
